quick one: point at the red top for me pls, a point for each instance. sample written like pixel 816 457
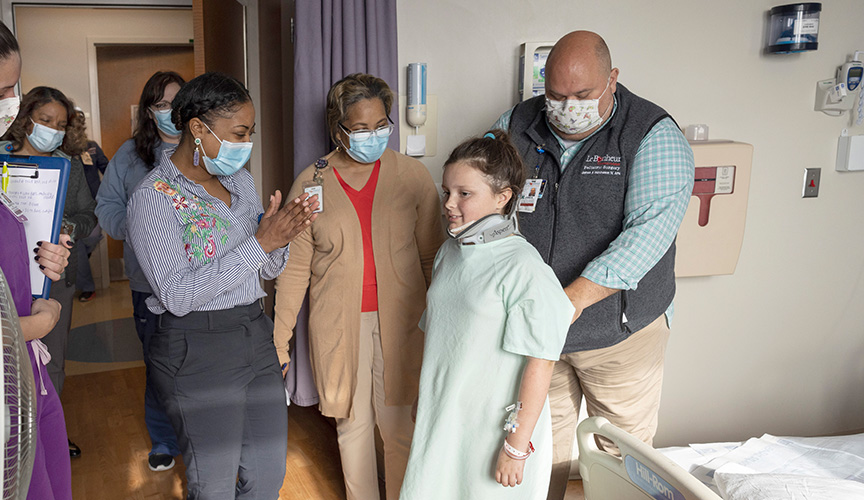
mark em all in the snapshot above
pixel 362 201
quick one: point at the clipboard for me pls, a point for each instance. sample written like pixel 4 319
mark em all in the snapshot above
pixel 37 184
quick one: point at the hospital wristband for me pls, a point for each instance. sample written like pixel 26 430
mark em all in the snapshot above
pixel 516 454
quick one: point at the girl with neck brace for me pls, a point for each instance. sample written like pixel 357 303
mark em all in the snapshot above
pixel 496 319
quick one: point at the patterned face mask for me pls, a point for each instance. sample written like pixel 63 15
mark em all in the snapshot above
pixel 575 116
pixel 8 112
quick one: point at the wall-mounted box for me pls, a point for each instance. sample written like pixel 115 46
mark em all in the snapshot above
pixel 712 231
pixel 532 69
pixel 850 153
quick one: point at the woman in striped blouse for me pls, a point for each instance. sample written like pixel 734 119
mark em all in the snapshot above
pixel 204 241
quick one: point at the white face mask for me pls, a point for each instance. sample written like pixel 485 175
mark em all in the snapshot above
pixel 575 116
pixel 8 112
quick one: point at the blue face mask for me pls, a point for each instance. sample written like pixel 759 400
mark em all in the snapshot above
pixel 231 157
pixel 367 146
pixel 45 139
pixel 164 123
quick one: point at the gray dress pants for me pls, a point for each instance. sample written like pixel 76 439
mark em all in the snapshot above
pixel 218 377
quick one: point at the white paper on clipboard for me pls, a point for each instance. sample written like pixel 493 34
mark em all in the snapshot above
pixel 37 198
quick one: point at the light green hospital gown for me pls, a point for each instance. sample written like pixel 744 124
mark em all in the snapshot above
pixel 489 306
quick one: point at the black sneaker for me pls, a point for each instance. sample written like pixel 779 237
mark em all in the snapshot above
pixel 86 296
pixel 160 461
pixel 74 450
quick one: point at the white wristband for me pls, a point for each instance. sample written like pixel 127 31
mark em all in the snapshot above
pixel 516 454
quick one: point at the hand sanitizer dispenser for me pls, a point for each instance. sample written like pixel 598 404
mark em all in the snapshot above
pixel 416 115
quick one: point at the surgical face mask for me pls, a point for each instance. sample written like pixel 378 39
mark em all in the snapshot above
pixel 164 123
pixel 8 112
pixel 231 157
pixel 45 139
pixel 367 146
pixel 575 116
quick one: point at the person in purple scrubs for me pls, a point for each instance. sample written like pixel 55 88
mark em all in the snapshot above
pixel 52 475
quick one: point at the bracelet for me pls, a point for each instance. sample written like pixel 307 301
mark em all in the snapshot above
pixel 516 454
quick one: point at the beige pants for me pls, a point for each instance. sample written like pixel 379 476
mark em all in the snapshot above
pixel 621 383
pixel 356 435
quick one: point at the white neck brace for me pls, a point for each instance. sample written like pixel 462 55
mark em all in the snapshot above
pixel 485 230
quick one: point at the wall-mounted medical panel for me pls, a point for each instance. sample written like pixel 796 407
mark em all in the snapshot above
pixel 532 69
pixel 712 232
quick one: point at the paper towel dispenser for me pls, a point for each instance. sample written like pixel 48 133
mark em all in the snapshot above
pixel 712 231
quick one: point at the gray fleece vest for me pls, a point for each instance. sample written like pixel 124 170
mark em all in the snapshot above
pixel 582 212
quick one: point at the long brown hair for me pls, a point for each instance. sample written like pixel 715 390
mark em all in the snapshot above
pixel 146 134
pixel 75 140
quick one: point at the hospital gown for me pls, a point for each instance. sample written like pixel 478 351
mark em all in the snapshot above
pixel 489 306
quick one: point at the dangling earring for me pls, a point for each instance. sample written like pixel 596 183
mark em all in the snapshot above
pixel 195 156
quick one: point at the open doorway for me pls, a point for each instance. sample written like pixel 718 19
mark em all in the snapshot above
pixel 67 59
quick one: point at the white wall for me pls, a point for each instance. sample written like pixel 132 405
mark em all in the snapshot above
pixel 54 45
pixel 777 347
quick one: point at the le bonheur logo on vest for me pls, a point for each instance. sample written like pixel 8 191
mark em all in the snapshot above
pixel 602 165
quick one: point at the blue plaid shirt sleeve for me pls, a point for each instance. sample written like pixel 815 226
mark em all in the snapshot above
pixel 658 192
pixel 503 121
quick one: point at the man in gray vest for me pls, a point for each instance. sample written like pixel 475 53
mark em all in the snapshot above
pixel 611 175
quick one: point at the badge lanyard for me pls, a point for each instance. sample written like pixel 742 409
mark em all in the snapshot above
pixel 534 187
pixel 316 185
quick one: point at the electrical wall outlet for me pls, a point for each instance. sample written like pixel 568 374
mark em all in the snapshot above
pixel 811 182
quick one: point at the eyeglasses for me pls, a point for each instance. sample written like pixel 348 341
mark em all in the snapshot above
pixel 162 106
pixel 365 135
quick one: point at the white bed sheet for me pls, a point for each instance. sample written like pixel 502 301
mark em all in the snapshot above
pixel 812 468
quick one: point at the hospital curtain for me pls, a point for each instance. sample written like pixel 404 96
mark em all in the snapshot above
pixel 333 38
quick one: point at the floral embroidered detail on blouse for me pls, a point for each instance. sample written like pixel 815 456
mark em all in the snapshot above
pixel 202 226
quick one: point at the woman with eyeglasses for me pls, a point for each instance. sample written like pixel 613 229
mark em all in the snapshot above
pixel 154 135
pixel 367 264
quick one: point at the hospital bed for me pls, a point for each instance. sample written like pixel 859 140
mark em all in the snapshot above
pixel 829 468
pixel 640 473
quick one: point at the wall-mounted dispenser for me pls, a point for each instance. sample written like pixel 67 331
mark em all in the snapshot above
pixel 794 28
pixel 416 110
pixel 836 96
pixel 712 231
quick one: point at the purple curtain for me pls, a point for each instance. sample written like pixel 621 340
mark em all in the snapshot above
pixel 333 38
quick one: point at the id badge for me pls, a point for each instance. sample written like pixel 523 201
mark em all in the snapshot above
pixel 86 158
pixel 8 203
pixel 313 188
pixel 531 194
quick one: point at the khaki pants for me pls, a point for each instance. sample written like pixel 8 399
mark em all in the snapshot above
pixel 356 435
pixel 621 382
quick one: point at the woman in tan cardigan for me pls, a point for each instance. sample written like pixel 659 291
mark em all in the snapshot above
pixel 367 263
